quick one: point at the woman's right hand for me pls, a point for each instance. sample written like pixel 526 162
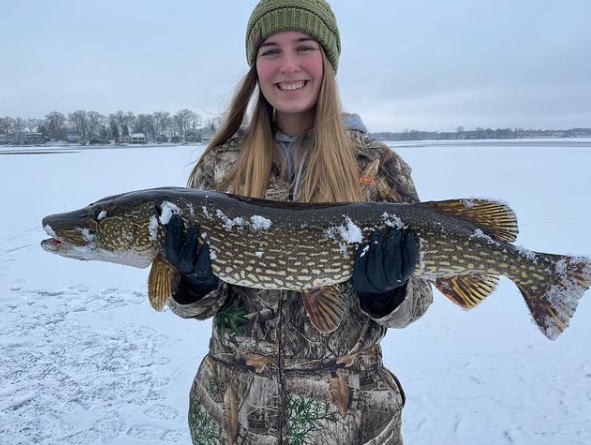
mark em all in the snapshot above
pixel 192 261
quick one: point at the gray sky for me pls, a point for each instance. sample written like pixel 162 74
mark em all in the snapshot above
pixel 421 64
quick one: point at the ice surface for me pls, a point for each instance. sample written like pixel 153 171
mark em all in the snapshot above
pixel 85 360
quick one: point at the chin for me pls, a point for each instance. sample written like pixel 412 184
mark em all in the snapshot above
pixel 294 109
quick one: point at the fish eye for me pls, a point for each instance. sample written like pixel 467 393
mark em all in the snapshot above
pixel 98 214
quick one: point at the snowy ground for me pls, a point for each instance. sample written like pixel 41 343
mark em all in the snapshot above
pixel 85 360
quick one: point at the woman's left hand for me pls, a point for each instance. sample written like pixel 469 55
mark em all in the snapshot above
pixel 382 268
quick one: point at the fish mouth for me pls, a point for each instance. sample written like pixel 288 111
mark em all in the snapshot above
pixel 51 244
pixel 56 244
pixel 63 248
pixel 90 251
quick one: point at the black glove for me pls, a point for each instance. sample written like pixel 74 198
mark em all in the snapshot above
pixel 193 264
pixel 382 268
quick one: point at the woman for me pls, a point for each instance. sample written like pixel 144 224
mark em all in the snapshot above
pixel 273 375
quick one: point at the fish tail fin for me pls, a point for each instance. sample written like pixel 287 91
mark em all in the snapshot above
pixel 553 298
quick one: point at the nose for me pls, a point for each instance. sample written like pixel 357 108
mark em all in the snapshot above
pixel 289 63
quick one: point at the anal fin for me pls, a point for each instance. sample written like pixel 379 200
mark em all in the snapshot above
pixel 467 291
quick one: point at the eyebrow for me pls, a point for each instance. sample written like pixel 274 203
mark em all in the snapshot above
pixel 301 39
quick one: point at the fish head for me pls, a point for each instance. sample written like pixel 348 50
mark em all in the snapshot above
pixel 123 229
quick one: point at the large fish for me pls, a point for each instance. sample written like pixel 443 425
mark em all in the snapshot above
pixel 465 246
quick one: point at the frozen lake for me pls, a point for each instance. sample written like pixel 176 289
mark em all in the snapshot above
pixel 85 360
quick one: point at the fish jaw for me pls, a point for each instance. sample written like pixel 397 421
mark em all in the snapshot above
pixel 89 251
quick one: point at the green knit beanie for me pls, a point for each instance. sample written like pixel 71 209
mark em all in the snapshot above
pixel 313 17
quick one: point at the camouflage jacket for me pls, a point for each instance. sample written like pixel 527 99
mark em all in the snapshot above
pixel 270 377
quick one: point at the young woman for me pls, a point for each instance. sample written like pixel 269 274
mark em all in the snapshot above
pixel 273 375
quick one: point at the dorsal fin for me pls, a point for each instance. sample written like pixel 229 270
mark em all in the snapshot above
pixel 494 218
pixel 467 291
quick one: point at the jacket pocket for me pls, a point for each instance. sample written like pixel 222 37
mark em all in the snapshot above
pixel 397 386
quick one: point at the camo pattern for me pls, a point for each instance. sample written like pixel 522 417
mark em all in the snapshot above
pixel 270 377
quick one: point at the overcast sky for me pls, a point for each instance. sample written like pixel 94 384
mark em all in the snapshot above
pixel 421 64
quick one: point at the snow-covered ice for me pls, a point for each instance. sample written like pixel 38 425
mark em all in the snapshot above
pixel 85 360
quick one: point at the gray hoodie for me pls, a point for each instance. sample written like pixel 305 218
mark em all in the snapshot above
pixel 287 145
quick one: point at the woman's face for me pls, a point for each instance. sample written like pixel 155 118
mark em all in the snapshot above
pixel 290 69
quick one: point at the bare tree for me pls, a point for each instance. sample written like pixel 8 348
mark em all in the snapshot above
pixel 213 123
pixel 162 121
pixel 96 122
pixel 18 128
pixel 6 125
pixel 55 124
pixel 114 127
pixel 124 121
pixel 33 124
pixel 194 127
pixel 145 124
pixel 78 121
pixel 185 120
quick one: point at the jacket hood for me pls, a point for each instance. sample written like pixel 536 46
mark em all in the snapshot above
pixel 353 121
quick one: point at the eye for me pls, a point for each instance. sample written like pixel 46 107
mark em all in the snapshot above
pixel 99 214
pixel 269 52
pixel 305 49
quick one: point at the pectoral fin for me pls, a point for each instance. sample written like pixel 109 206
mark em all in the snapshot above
pixel 162 282
pixel 324 308
pixel 467 291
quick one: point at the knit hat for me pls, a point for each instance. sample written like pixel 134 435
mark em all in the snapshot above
pixel 313 17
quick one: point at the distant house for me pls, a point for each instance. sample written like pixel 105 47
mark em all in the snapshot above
pixel 3 139
pixel 33 138
pixel 138 138
pixel 97 139
pixel 74 137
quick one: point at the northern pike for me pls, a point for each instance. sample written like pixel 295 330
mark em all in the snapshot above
pixel 465 245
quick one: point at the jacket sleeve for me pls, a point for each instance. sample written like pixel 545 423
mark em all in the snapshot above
pixel 210 303
pixel 205 307
pixel 396 185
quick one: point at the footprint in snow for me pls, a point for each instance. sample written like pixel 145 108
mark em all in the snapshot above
pixel 18 284
pixel 163 412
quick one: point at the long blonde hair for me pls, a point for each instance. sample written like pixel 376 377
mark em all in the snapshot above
pixel 331 172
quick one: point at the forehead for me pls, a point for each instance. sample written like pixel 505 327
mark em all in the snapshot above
pixel 283 37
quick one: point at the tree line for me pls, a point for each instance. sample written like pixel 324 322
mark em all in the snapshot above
pixel 187 126
pixel 93 127
pixel 481 133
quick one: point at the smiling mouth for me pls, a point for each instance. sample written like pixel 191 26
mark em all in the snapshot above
pixel 284 86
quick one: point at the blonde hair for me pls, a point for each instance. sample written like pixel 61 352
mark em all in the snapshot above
pixel 331 173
